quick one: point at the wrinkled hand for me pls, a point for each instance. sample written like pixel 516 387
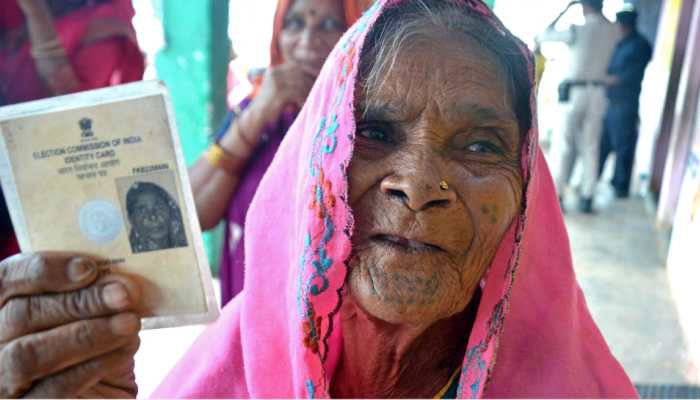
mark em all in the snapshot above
pixel 64 332
pixel 284 85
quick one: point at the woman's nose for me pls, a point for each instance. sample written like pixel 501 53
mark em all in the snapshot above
pixel 419 192
pixel 309 39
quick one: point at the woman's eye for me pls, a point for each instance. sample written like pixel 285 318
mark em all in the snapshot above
pixel 375 134
pixel 293 24
pixel 484 147
pixel 330 24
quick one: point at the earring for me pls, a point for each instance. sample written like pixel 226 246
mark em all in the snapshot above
pixel 444 186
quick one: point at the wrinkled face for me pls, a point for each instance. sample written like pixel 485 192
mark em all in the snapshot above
pixel 150 216
pixel 311 29
pixel 443 113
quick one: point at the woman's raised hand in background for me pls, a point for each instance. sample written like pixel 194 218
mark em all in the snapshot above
pixel 283 85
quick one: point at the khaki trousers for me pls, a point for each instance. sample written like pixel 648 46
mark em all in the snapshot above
pixel 579 137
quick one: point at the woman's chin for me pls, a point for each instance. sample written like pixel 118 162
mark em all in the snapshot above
pixel 404 299
pixel 157 234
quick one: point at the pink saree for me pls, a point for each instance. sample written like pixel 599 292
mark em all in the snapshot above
pixel 533 335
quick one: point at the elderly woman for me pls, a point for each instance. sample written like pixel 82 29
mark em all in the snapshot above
pixel 405 242
pixel 226 177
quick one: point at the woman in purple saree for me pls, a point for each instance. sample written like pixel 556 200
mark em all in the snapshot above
pixel 225 179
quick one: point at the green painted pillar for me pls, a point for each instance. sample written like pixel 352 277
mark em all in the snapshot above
pixel 193 64
pixel 490 3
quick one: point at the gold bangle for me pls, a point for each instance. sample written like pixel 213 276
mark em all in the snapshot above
pixel 222 159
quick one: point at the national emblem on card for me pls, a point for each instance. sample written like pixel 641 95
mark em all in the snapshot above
pixel 86 128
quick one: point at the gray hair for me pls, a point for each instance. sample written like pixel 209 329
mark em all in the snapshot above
pixel 413 22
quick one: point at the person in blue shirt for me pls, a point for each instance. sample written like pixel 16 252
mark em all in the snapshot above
pixel 620 126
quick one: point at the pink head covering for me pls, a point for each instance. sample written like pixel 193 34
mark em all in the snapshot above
pixel 281 337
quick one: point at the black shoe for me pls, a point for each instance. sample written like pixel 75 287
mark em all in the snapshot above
pixel 585 205
pixel 561 205
pixel 622 194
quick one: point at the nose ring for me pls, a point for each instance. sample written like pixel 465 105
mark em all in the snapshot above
pixel 444 185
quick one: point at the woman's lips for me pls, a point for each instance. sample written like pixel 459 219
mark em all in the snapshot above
pixel 408 244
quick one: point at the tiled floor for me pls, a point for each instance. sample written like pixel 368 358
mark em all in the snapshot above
pixel 621 273
pixel 616 257
pixel 668 391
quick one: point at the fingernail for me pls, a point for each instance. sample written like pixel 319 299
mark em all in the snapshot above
pixel 115 296
pixel 125 324
pixel 80 269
